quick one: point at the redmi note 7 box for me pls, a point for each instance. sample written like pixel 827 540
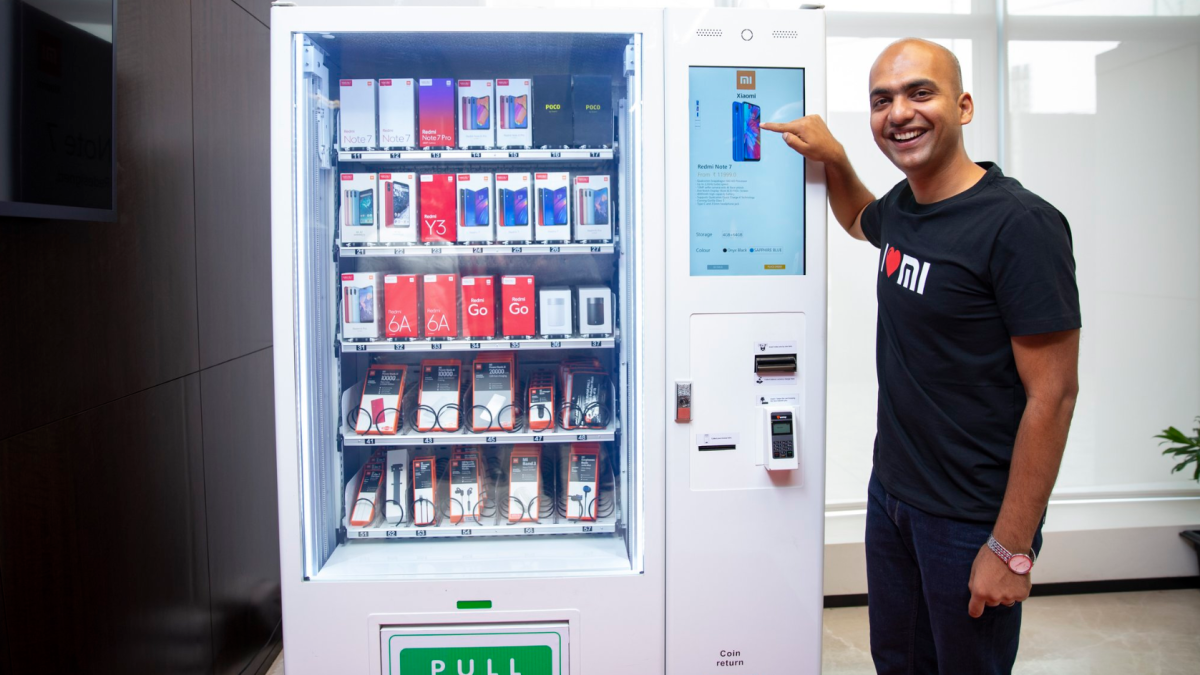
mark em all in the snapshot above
pixel 357 117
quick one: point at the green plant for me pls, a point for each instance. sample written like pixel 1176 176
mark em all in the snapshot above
pixel 1186 447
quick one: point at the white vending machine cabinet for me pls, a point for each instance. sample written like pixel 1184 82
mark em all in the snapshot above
pixel 470 483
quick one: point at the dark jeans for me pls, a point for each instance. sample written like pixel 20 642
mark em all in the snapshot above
pixel 918 566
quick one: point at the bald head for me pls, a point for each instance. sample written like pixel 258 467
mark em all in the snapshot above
pixel 939 57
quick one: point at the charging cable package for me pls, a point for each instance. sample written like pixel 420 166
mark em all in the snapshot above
pixel 395 475
pixel 424 482
pixel 540 401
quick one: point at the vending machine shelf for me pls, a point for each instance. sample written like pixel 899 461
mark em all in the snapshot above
pixel 351 250
pixel 477 345
pixel 468 156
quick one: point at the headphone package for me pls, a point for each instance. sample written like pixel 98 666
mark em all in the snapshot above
pixel 582 480
pixel 465 486
pixel 524 483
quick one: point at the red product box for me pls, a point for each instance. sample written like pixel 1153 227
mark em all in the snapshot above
pixel 400 306
pixel 517 300
pixel 479 307
pixel 439 208
pixel 440 292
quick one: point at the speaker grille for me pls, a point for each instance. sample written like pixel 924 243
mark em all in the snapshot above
pixel 784 34
pixel 708 32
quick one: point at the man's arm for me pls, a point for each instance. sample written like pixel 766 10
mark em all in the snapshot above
pixel 1048 367
pixel 847 195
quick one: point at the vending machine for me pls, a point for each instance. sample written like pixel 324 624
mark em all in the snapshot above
pixel 549 315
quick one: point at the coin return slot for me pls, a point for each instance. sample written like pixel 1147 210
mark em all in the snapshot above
pixel 775 364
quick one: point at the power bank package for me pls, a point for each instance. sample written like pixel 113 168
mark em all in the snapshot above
pixel 513 102
pixel 367 497
pixel 439 208
pixel 397 208
pixel 592 119
pixel 479 307
pixel 379 408
pixel 439 395
pixel 554 309
pixel 435 113
pixel 360 305
pixel 475 199
pixel 396 113
pixel 552 208
pixel 494 393
pixel 476 100
pixel 401 319
pixel 552 115
pixel 357 116
pixel 440 298
pixel 593 212
pixel 358 208
pixel 513 207
pixel 517 305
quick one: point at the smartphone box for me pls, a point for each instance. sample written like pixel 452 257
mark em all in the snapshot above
pixel 440 298
pixel 512 210
pixel 475 221
pixel 475 103
pixel 379 408
pixel 552 208
pixel 397 117
pixel 357 118
pixel 552 116
pixel 464 487
pixel 494 393
pixel 439 395
pixel 435 113
pixel 583 481
pixel 592 114
pixel 554 310
pixel 358 209
pixel 593 208
pixel 479 307
pixel 439 208
pixel 401 319
pixel 595 310
pixel 517 305
pixel 360 305
pixel 424 488
pixel 395 491
pixel 524 483
pixel 513 103
pixel 397 208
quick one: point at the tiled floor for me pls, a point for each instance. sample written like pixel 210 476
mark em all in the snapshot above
pixel 1156 633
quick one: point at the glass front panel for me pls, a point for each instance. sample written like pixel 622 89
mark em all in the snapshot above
pixel 471 341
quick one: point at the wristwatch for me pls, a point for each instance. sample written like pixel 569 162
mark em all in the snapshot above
pixel 1018 563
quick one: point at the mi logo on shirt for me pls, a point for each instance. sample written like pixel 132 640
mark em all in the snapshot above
pixel 912 272
pixel 745 79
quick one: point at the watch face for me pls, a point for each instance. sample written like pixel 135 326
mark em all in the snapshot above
pixel 1021 564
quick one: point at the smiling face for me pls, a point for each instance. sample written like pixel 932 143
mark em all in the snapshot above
pixel 917 106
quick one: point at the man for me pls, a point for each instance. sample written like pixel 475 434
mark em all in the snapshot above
pixel 977 347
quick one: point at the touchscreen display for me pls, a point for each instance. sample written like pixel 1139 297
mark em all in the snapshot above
pixel 746 185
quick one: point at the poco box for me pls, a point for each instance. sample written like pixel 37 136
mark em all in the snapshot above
pixel 357 115
pixel 397 208
pixel 475 222
pixel 513 101
pixel 479 307
pixel 360 305
pixel 517 305
pixel 440 299
pixel 438 398
pixel 379 408
pixel 475 128
pixel 401 319
pixel 593 217
pixel 591 107
pixel 552 210
pixel 357 212
pixel 513 202
pixel 439 208
pixel 396 113
pixel 552 126
pixel 435 113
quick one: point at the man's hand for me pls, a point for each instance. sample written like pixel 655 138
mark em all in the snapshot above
pixel 847 195
pixel 992 583
pixel 810 137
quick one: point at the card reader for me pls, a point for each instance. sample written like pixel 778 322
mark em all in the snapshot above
pixel 780 447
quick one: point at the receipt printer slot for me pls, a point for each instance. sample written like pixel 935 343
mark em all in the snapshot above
pixel 775 364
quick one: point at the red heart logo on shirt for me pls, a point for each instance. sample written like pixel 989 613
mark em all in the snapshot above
pixel 892 261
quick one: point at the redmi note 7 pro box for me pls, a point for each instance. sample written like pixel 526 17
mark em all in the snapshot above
pixel 592 115
pixel 397 113
pixel 435 113
pixel 476 99
pixel 357 116
pixel 513 101
pixel 552 126
pixel 439 208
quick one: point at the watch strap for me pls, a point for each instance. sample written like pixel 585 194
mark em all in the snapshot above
pixel 1004 554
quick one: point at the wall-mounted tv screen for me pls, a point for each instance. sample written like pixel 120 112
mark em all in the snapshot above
pixel 57 104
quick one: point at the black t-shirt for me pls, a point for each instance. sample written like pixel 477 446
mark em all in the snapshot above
pixel 956 280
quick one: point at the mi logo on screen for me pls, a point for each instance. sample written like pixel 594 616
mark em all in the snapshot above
pixel 745 79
